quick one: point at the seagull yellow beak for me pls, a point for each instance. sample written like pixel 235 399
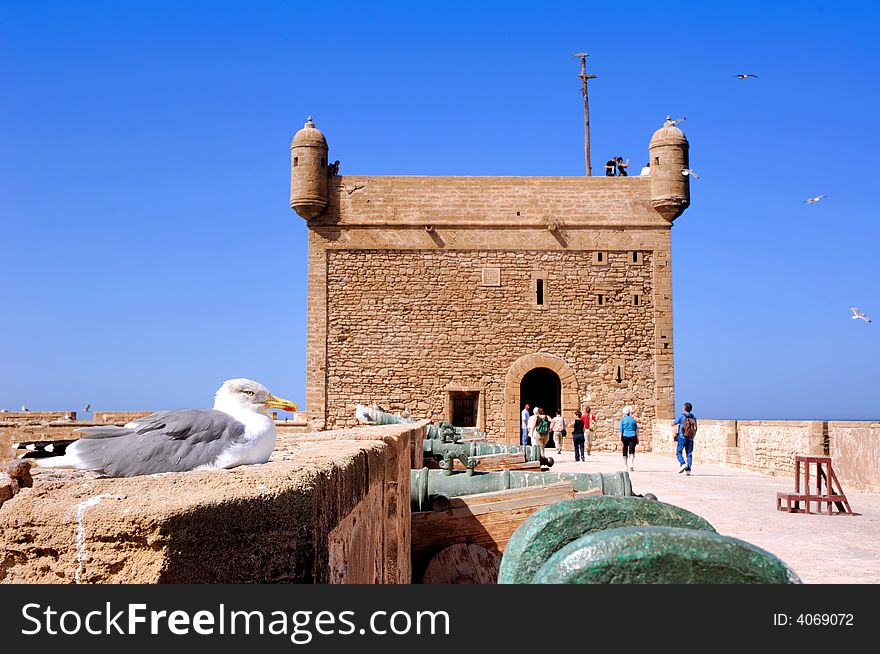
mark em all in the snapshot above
pixel 273 402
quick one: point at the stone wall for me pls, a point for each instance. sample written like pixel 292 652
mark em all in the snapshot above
pixel 419 287
pixel 769 447
pixel 406 327
pixel 328 507
pixel 855 452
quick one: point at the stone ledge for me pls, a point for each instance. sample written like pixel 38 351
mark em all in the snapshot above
pixel 277 522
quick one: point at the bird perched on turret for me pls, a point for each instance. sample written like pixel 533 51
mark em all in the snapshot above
pixel 858 315
pixel 237 431
pixel 670 122
pixel 746 76
pixel 815 199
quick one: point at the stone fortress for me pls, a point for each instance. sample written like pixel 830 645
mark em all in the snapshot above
pixel 458 298
pixel 466 297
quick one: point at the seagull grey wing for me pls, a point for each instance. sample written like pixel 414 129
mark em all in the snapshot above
pixel 108 431
pixel 169 441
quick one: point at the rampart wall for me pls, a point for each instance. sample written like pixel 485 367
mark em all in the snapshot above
pixel 327 508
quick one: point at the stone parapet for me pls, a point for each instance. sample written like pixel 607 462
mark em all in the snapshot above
pixel 331 507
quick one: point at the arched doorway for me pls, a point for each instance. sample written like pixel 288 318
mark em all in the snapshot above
pixel 541 387
pixel 513 389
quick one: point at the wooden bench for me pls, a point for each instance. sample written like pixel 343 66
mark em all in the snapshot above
pixel 832 494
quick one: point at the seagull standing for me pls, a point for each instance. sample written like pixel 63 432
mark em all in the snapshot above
pixel 815 199
pixel 25 409
pixel 859 315
pixel 746 76
pixel 688 171
pixel 237 431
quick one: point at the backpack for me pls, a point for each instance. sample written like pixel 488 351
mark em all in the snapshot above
pixel 689 427
pixel 543 426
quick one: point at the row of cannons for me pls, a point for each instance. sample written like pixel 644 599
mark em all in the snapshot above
pixel 533 526
pixel 446 445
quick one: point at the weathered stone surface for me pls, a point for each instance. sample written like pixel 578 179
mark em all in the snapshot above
pixel 548 530
pixel 329 507
pixel 662 555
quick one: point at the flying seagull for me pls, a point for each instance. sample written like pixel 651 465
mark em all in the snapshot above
pixel 746 76
pixel 237 431
pixel 688 171
pixel 815 199
pixel 88 406
pixel 858 314
pixel 669 121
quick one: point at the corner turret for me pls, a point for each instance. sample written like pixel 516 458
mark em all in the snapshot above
pixel 670 188
pixel 308 171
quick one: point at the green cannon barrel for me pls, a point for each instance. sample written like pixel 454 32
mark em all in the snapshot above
pixel 662 555
pixel 427 484
pixel 437 448
pixel 551 528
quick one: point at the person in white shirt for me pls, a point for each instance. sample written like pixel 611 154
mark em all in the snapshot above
pixel 524 425
pixel 533 421
pixel 646 170
pixel 557 426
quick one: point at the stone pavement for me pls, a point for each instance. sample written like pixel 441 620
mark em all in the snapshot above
pixel 742 504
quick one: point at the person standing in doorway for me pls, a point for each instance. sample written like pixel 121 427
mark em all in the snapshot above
pixel 687 429
pixel 542 429
pixel 524 425
pixel 577 437
pixel 629 436
pixel 590 421
pixel 533 422
pixel 557 426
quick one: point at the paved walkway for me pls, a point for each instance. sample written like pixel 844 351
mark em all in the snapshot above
pixel 820 548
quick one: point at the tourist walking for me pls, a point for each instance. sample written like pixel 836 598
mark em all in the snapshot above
pixel 687 429
pixel 557 426
pixel 542 429
pixel 524 425
pixel 590 421
pixel 577 437
pixel 629 436
pixel 533 422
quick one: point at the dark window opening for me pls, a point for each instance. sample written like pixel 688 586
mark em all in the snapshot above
pixel 600 299
pixel 656 161
pixel 323 163
pixel 464 409
pixel 635 257
pixel 539 292
pixel 295 162
pixel 619 375
pixel 517 213
pixel 599 257
pixel 636 300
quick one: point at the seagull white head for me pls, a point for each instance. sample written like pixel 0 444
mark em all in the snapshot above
pixel 247 395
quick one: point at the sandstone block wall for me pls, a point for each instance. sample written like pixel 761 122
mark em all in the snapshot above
pixel 329 507
pixel 855 453
pixel 419 287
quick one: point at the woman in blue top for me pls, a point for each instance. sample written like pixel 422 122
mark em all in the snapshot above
pixel 629 436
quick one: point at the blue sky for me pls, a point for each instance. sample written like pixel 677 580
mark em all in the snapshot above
pixel 149 251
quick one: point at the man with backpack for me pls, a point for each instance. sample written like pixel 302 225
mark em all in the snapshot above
pixel 687 429
pixel 542 429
